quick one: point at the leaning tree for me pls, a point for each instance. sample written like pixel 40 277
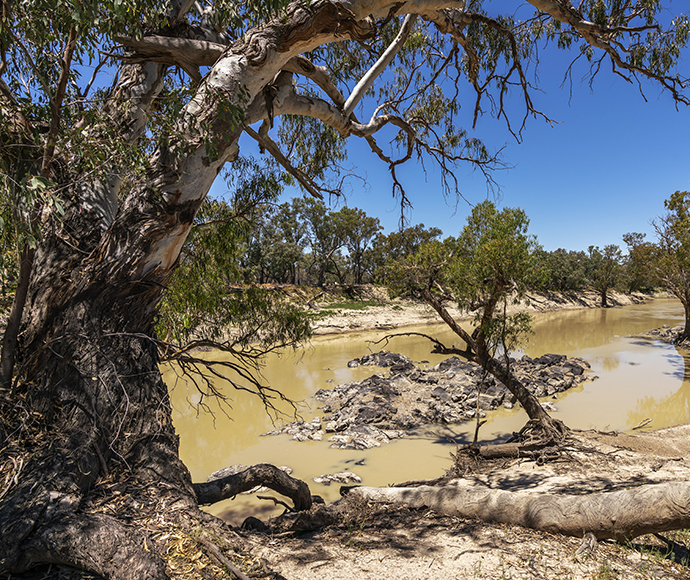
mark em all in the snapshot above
pixel 491 264
pixel 103 186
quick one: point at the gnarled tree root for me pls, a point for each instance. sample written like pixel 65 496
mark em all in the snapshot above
pixel 262 474
pixel 619 515
pixel 94 542
pixel 538 450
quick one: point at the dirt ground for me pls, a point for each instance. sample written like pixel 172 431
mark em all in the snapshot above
pixel 381 542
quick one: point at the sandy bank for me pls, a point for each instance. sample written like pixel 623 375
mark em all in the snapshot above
pixel 398 313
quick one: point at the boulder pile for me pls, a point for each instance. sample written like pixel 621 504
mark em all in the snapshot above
pixel 365 414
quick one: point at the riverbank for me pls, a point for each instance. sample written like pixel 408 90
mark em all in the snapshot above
pixel 383 542
pixel 382 313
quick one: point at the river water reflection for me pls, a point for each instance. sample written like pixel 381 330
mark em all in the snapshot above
pixel 638 379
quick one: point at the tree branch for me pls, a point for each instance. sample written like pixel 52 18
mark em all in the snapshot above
pixel 272 147
pixel 371 75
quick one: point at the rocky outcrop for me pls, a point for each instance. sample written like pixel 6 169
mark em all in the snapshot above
pixel 667 334
pixel 362 415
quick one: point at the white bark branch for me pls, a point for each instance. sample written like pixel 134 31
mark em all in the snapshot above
pixel 375 71
pixel 187 53
pixel 318 74
pixel 620 515
pixel 381 8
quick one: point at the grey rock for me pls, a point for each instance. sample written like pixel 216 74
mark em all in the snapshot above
pixel 340 477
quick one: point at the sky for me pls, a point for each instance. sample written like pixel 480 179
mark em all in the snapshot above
pixel 603 170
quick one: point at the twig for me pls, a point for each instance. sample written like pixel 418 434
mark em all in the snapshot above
pixel 14 477
pixel 642 423
pixel 215 551
pixel 276 501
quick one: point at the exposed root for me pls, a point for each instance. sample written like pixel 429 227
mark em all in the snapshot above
pixel 262 474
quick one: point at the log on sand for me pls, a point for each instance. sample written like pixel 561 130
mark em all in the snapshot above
pixel 619 515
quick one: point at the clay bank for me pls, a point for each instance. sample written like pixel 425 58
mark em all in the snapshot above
pixel 388 314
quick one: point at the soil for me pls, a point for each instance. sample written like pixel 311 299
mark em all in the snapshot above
pixel 385 542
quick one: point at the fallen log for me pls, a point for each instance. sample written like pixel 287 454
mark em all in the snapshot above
pixel 510 450
pixel 620 515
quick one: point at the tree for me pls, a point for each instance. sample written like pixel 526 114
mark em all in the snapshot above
pixel 639 265
pixel 396 245
pixel 604 269
pixel 326 238
pixel 672 261
pixel 108 185
pixel 288 246
pixel 491 263
pixel 357 230
pixel 565 270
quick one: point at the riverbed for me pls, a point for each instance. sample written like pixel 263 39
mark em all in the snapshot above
pixel 638 379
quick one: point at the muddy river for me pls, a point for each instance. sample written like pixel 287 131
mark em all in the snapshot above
pixel 637 380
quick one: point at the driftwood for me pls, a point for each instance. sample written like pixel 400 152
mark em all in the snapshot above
pixel 620 515
pixel 262 474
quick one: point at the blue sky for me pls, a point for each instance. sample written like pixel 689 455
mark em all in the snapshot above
pixel 602 171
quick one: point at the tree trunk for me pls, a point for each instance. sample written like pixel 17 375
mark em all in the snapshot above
pixel 527 399
pixel 685 335
pixel 106 411
pixel 9 339
pixel 476 351
pixel 621 515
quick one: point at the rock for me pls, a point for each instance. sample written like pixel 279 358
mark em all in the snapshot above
pixel 341 477
pixel 550 359
pixel 359 437
pixel 255 524
pixel 385 358
pixel 369 413
pixel 441 394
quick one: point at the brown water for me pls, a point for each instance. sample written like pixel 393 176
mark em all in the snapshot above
pixel 638 379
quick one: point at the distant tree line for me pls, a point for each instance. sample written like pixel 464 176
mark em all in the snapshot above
pixel 304 242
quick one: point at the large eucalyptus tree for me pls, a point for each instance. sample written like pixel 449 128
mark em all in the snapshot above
pixel 103 193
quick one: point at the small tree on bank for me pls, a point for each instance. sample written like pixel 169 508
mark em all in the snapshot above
pixel 484 270
pixel 604 269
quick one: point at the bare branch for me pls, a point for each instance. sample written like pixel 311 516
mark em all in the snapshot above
pixel 263 474
pixel 272 147
pixel 439 347
pixel 373 73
